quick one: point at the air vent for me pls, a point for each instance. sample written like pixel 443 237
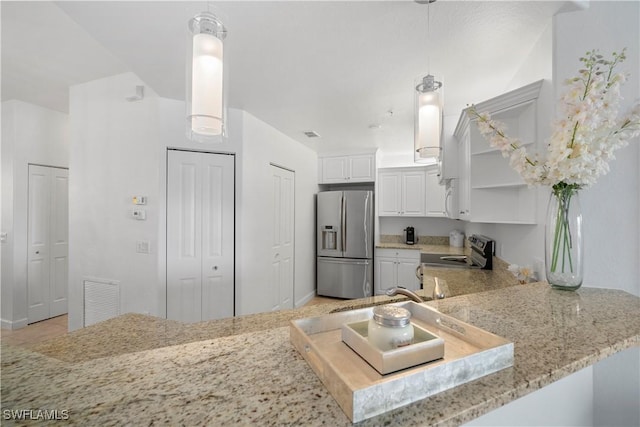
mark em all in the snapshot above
pixel 311 134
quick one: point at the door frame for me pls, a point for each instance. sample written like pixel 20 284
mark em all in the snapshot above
pixel 163 225
pixel 293 232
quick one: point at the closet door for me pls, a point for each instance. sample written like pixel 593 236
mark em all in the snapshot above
pixel 218 217
pixel 200 236
pixel 282 232
pixel 47 242
pixel 59 242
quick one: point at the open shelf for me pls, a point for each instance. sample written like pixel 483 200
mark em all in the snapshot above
pixel 492 150
pixel 496 186
pixel 491 191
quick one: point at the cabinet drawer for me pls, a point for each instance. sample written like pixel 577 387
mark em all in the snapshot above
pixel 412 254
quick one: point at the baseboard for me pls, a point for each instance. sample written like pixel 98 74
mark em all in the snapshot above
pixel 16 324
pixel 305 299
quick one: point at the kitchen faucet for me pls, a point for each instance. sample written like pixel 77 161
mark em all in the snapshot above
pixel 438 293
pixel 404 291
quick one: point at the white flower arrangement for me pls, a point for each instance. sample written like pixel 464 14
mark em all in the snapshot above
pixel 523 274
pixel 581 145
pixel 584 138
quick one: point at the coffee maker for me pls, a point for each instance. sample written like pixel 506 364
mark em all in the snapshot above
pixel 410 236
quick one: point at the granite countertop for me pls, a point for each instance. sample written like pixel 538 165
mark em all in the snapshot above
pixel 455 281
pixel 245 370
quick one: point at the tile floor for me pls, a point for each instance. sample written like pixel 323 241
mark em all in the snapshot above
pixel 36 332
pixel 321 300
pixel 41 331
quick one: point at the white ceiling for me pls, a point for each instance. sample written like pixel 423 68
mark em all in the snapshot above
pixel 329 66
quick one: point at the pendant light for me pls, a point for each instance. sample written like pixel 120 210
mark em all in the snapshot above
pixel 205 79
pixel 427 112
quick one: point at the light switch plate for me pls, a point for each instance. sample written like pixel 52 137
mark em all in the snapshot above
pixel 143 247
pixel 139 200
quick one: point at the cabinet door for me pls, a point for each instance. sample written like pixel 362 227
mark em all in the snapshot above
pixel 389 195
pixel 362 168
pixel 435 195
pixel 406 268
pixel 334 169
pixel 413 193
pixel 385 275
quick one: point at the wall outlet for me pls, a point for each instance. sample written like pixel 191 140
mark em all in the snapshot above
pixel 139 214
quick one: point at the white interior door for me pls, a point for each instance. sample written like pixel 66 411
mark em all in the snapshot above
pixel 218 218
pixel 47 240
pixel 282 248
pixel 200 236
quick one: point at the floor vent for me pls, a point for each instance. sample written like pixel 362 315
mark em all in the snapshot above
pixel 101 300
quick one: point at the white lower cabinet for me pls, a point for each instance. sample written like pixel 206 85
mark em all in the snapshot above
pixel 396 267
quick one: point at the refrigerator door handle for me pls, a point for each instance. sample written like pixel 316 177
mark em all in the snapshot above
pixel 344 224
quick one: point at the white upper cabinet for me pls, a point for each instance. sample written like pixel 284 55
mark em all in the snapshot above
pixel 490 190
pixel 401 192
pixel 435 194
pixel 411 191
pixel 346 169
pixel 389 193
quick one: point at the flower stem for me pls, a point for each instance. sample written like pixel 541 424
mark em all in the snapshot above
pixel 562 238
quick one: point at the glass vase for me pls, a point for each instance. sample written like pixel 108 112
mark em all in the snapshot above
pixel 564 247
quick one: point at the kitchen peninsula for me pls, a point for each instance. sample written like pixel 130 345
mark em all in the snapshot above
pixel 456 281
pixel 136 369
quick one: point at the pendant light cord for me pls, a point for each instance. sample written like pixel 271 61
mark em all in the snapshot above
pixel 429 37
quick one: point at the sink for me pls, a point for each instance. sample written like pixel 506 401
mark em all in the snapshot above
pixel 444 260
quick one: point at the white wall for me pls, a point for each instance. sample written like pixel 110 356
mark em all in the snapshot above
pixel 30 134
pixel 119 150
pixel 263 145
pixel 114 156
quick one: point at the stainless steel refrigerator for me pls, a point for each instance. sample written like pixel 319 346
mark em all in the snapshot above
pixel 345 244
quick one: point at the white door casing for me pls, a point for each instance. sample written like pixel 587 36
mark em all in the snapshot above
pixel 47 240
pixel 200 236
pixel 282 248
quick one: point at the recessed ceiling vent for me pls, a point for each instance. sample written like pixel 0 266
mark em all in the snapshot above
pixel 311 134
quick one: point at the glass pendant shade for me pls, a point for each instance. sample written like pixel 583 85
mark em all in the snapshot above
pixel 205 78
pixel 427 120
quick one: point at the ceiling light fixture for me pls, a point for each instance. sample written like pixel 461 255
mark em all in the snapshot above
pixel 205 79
pixel 427 110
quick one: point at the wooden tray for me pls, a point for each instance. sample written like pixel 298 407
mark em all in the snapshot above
pixel 362 392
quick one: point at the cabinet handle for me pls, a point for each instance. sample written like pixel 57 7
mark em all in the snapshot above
pixel 215 267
